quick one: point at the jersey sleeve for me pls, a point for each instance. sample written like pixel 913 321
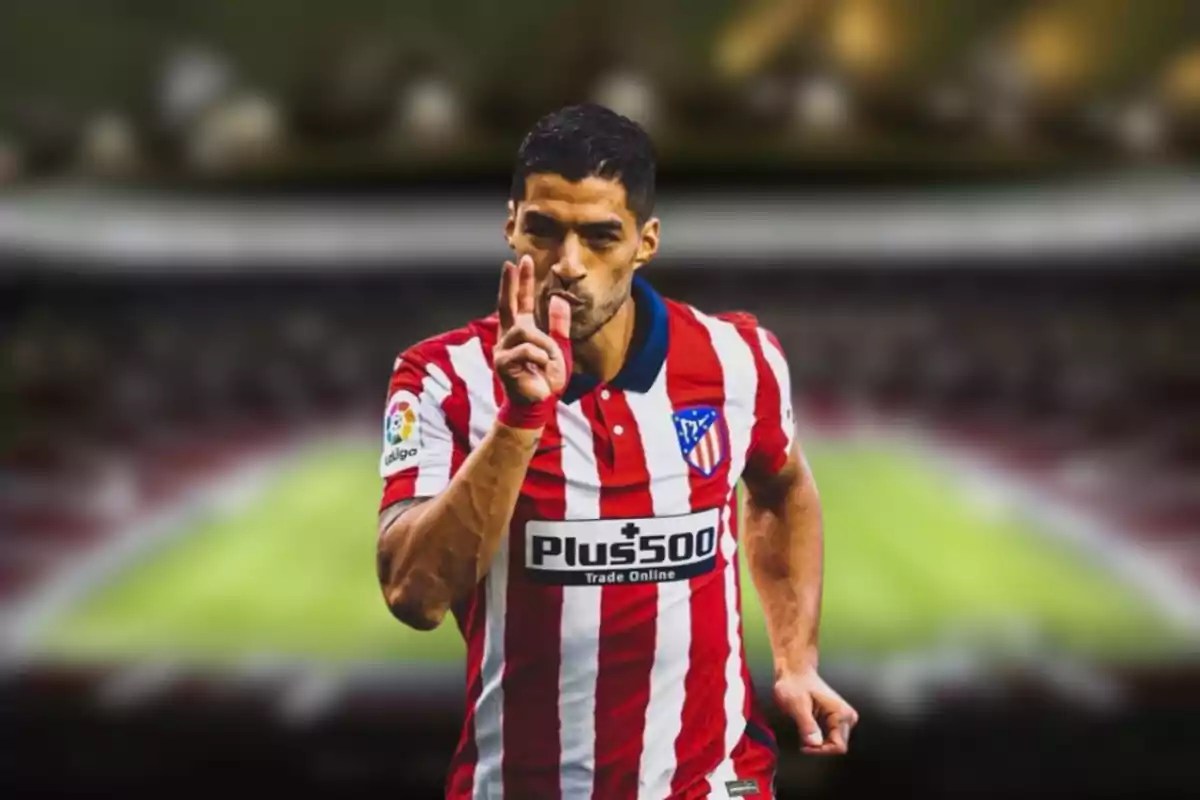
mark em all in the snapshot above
pixel 421 442
pixel 774 430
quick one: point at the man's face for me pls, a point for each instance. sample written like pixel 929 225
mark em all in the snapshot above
pixel 585 243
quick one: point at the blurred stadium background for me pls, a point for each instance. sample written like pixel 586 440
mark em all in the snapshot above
pixel 972 223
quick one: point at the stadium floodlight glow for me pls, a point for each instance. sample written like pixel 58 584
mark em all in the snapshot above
pixel 1141 128
pixel 430 110
pixel 864 36
pixel 193 79
pixel 1180 85
pixel 757 34
pixel 630 94
pixel 1049 46
pixel 242 130
pixel 822 105
pixel 109 144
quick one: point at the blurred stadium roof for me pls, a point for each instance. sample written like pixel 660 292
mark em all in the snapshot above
pixel 106 230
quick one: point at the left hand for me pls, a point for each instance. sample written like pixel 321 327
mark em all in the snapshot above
pixel 815 706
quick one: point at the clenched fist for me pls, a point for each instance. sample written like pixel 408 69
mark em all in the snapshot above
pixel 810 701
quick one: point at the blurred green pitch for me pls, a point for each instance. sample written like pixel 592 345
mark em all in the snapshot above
pixel 910 560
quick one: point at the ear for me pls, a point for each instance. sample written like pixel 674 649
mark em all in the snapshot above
pixel 648 244
pixel 510 224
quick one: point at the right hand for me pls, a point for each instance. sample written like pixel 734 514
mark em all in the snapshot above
pixel 531 364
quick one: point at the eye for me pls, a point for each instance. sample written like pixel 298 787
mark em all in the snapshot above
pixel 602 241
pixel 540 229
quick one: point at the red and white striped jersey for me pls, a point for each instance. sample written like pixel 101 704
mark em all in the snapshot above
pixel 604 646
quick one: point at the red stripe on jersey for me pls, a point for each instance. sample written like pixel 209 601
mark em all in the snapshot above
pixel 533 640
pixel 628 614
pixel 695 377
pixel 472 622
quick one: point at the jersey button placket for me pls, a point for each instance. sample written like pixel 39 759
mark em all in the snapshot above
pixel 621 427
pixel 606 442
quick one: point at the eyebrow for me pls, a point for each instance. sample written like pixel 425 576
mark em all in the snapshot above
pixel 606 228
pixel 544 219
pixel 609 227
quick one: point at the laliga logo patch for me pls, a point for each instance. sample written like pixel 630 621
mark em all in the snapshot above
pixel 400 434
pixel 401 419
pixel 702 438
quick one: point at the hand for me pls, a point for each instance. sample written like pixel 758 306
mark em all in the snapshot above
pixel 532 365
pixel 809 700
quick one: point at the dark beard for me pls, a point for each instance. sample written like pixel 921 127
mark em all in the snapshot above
pixel 597 320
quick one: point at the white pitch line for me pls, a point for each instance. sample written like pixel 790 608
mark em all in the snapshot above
pixel 1152 575
pixel 86 570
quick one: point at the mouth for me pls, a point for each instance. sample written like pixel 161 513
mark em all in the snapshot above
pixel 574 301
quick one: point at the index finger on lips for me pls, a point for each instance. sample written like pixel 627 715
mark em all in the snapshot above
pixel 506 303
pixel 560 318
pixel 525 286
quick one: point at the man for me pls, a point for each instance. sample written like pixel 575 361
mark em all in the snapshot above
pixel 561 476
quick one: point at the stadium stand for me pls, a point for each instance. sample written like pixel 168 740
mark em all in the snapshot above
pixel 1085 382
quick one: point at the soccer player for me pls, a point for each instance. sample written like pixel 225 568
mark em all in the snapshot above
pixel 562 476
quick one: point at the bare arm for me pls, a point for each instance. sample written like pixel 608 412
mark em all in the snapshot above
pixel 784 545
pixel 783 540
pixel 433 553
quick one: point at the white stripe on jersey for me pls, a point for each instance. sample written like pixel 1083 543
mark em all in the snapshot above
pixel 489 708
pixel 437 443
pixel 783 379
pixel 741 389
pixel 471 365
pixel 670 494
pixel 580 655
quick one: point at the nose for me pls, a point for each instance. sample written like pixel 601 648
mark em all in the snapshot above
pixel 569 266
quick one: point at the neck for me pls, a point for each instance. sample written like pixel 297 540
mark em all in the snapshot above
pixel 604 353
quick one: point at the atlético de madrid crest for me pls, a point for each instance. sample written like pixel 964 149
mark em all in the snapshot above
pixel 702 438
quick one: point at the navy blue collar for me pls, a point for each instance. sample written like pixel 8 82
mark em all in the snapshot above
pixel 647 351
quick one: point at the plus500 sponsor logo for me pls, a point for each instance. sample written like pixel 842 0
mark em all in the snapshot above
pixel 615 551
pixel 645 551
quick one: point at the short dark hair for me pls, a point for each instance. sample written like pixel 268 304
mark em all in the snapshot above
pixel 585 140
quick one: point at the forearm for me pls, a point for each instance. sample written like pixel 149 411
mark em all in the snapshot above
pixel 435 553
pixel 783 539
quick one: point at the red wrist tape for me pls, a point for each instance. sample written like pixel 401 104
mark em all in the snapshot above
pixel 535 415
pixel 526 415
